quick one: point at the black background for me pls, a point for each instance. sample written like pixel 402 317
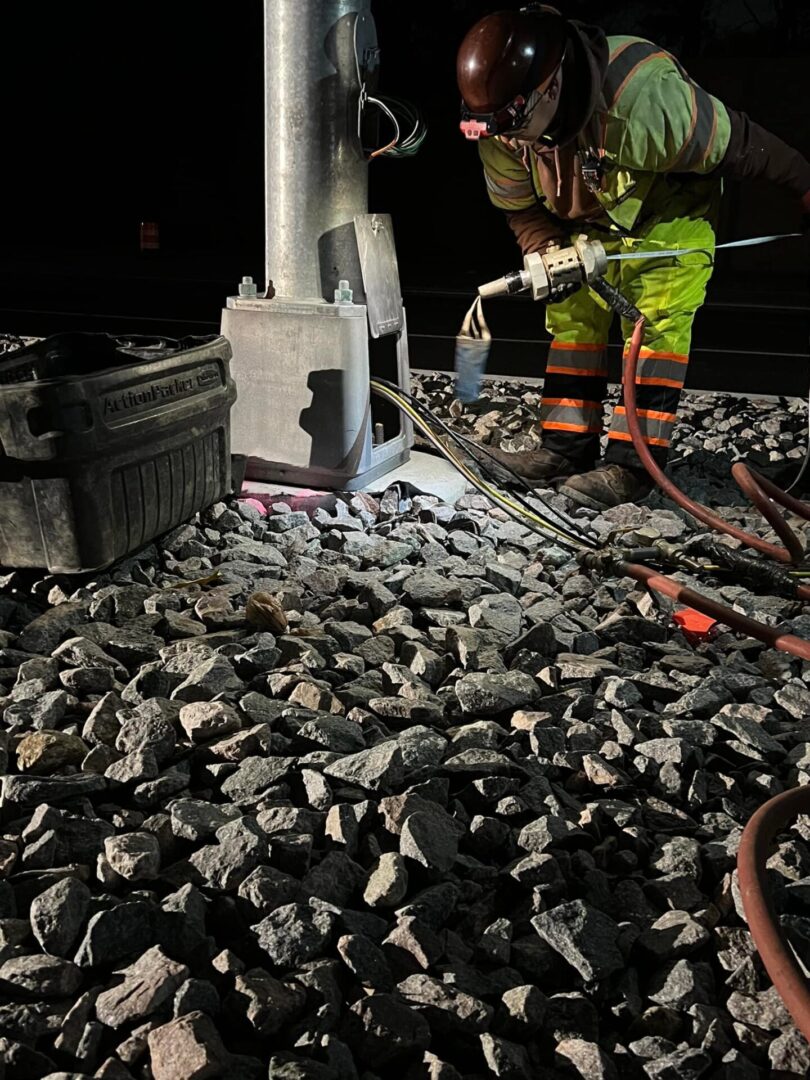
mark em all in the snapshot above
pixel 117 113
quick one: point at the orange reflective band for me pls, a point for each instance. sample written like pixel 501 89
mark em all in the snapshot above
pixel 649 414
pixel 582 429
pixel 634 71
pixel 580 373
pixel 651 354
pixel 572 403
pixel 674 383
pixel 576 346
pixel 622 436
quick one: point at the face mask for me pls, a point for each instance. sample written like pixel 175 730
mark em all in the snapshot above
pixel 540 112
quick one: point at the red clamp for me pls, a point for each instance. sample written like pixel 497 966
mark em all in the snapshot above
pixel 696 627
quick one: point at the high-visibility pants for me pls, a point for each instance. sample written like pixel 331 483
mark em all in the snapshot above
pixel 669 293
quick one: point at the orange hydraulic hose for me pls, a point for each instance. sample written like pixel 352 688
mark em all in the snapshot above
pixel 667 586
pixel 755 486
pixel 759 833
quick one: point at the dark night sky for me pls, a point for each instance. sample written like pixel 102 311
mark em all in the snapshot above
pixel 118 112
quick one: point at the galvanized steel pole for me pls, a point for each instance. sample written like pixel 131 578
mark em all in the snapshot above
pixel 315 173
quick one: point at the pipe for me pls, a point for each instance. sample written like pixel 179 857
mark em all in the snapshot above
pixel 667 586
pixel 757 837
pixel 316 177
pixel 755 486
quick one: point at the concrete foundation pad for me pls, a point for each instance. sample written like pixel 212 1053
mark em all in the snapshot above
pixel 431 474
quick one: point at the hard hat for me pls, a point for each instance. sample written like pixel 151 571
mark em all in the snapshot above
pixel 502 60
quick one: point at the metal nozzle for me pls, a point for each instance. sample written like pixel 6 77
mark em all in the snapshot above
pixel 515 282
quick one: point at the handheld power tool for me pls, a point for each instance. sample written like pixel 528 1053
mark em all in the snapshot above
pixel 583 263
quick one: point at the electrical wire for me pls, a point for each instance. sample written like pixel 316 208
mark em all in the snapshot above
pixel 472 449
pixel 398 147
pixel 530 518
pixel 525 515
pixel 410 144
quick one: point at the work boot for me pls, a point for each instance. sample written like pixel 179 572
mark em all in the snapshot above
pixel 607 485
pixel 540 468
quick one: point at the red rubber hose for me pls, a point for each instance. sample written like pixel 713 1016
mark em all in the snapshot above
pixel 755 486
pixel 760 832
pixel 667 586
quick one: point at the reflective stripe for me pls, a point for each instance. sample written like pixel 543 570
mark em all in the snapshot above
pixel 680 358
pixel 656 427
pixel 508 191
pixel 676 384
pixel 625 64
pixel 559 369
pixel 577 360
pixel 574 403
pixel 650 414
pixel 623 436
pixel 698 144
pixel 662 369
pixel 571 414
pixel 576 346
pixel 581 429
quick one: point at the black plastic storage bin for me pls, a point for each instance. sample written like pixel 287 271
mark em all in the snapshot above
pixel 107 442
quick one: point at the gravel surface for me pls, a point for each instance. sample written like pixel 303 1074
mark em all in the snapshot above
pixel 434 804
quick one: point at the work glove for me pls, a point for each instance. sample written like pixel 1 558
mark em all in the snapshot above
pixel 562 292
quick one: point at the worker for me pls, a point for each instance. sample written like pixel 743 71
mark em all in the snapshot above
pixel 580 133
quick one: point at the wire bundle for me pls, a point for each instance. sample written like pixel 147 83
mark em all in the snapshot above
pixel 548 522
pixel 404 116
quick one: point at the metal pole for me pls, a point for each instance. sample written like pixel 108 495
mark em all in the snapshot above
pixel 316 177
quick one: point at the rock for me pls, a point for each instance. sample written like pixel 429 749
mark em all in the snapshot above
pixel 447 1010
pixel 143 732
pixel 57 915
pixel 682 985
pixel 674 936
pixel 376 769
pixel 423 840
pixel 204 720
pixel 388 881
pixel 195 820
pixel 116 934
pixel 208 679
pixel 224 866
pixel 49 751
pixel 40 976
pixel 269 1005
pixel 366 961
pixel 522 1011
pixel 252 778
pixel 588 1059
pixel 265 613
pixel 382 1030
pixel 293 934
pixel 491 695
pixel 426 588
pixel 134 856
pixel 189 1048
pixel 584 937
pixel 196 995
pixel 789 1054
pixel 148 984
pixel 505 1058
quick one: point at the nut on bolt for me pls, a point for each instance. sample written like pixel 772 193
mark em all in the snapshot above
pixel 248 288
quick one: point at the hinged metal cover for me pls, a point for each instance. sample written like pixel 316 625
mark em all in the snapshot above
pixel 378 262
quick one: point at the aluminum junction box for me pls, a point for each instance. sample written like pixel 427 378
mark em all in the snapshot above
pixel 303 415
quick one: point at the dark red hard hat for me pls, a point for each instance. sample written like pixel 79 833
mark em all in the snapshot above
pixel 509 54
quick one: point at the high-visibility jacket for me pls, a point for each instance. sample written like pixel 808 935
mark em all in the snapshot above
pixel 651 120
